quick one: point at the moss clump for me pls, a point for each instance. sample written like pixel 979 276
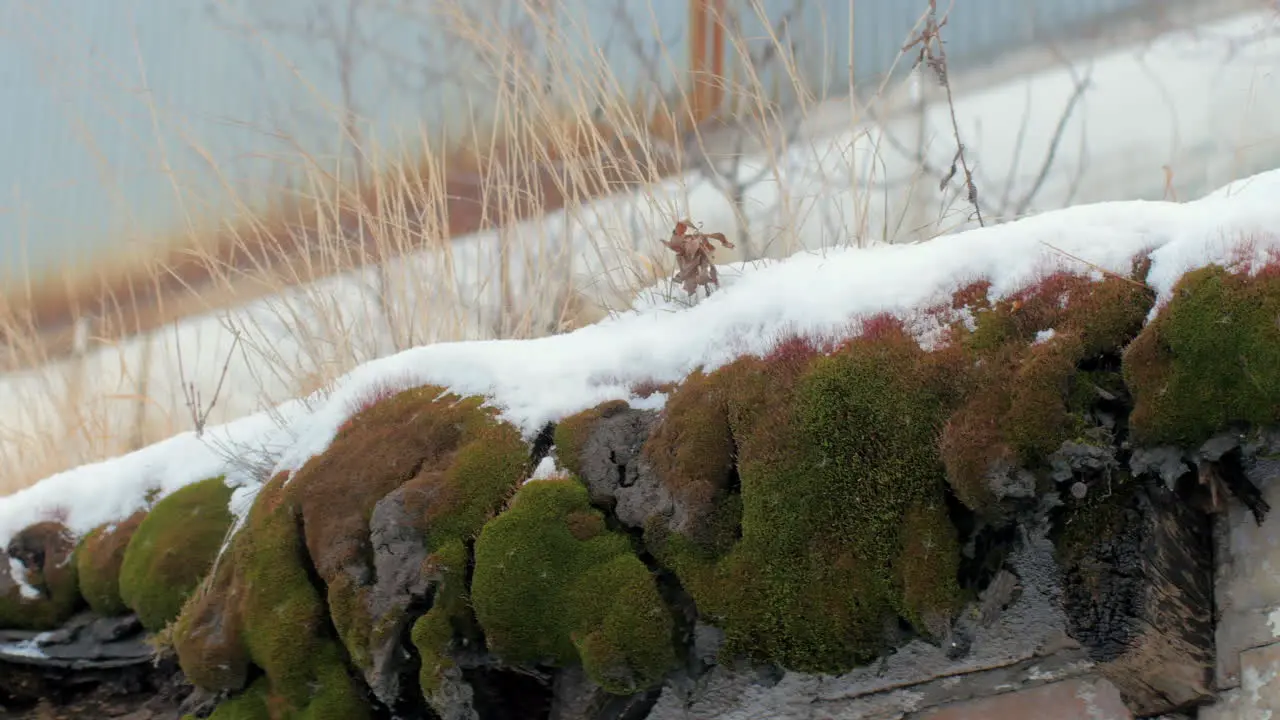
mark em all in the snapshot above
pixel 571 433
pixel 172 550
pixel 552 587
pixel 449 618
pixel 270 614
pixel 458 463
pixel 43 555
pixel 99 558
pixel 1210 360
pixel 292 595
pixel 452 451
pixel 285 624
pixel 930 551
pixel 835 454
pixel 470 492
pixel 1025 391
pixel 207 635
pixel 692 450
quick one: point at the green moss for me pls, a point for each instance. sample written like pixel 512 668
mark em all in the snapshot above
pixel 207 634
pixel 456 459
pixel 99 558
pixel 301 568
pixel 450 616
pixel 544 593
pixel 172 550
pixel 464 464
pixel 1025 393
pixel 927 566
pixel 1038 419
pixel 285 624
pixel 46 549
pixel 249 705
pixel 1210 360
pixel 835 454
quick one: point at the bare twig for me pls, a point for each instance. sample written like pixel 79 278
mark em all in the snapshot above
pixel 1170 192
pixel 191 394
pixel 1051 154
pixel 933 55
pixel 1095 266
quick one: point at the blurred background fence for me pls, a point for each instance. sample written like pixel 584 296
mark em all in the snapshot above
pixel 210 206
pixel 128 122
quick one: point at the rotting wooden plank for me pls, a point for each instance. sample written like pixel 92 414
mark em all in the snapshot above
pixel 1140 600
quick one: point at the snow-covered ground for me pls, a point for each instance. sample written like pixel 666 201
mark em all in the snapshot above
pixel 1204 105
pixel 536 381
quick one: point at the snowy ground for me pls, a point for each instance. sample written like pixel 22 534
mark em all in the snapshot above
pixel 537 381
pixel 1206 106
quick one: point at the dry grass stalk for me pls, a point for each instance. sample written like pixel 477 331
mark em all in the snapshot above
pixel 340 272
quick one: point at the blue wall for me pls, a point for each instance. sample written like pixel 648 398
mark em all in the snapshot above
pixel 108 105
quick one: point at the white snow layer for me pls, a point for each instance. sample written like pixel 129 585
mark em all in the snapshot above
pixel 537 381
pixel 18 574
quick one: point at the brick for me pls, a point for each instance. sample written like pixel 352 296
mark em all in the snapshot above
pixel 1076 699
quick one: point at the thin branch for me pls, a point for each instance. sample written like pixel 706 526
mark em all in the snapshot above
pixel 1099 268
pixel 1052 153
pixel 933 54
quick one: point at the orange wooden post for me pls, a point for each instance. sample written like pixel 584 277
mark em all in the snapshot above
pixel 716 81
pixel 706 57
pixel 697 58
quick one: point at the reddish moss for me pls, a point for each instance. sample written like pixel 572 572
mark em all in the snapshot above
pixel 972 442
pixel 1210 360
pixel 584 525
pixel 795 351
pixel 693 448
pixel 1023 379
pixel 375 393
pixel 974 296
pixel 98 560
pixel 207 635
pixel 648 388
pixel 462 460
pixel 44 553
pixel 264 610
pixel 881 326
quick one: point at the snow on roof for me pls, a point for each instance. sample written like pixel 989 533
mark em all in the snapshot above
pixel 537 381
